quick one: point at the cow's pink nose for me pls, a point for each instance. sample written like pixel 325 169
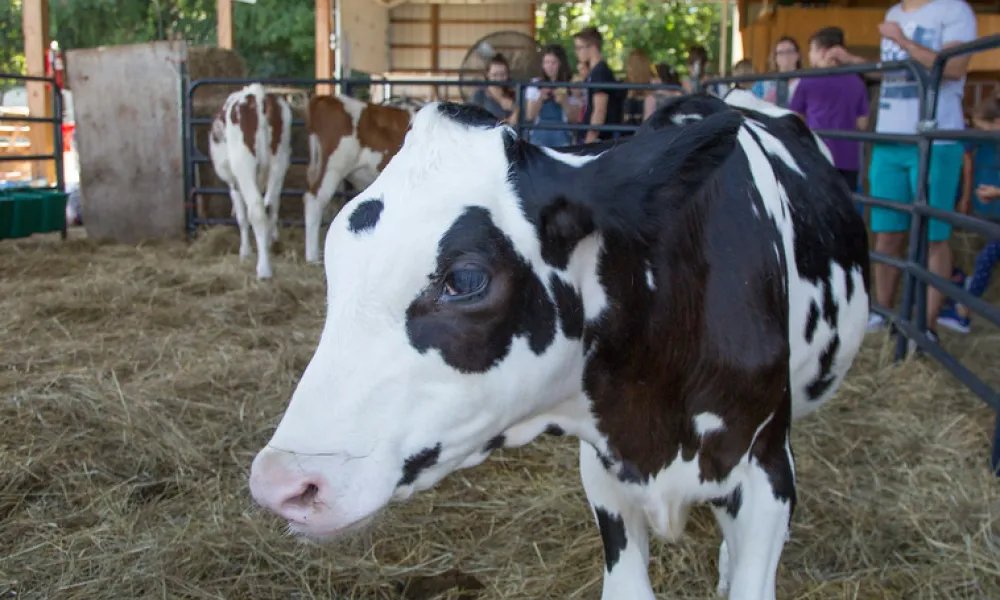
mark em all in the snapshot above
pixel 286 492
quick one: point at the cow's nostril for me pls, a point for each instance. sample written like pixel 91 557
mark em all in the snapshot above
pixel 309 495
pixel 303 500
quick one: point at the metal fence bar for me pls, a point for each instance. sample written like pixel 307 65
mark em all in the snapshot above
pixel 56 120
pixel 28 119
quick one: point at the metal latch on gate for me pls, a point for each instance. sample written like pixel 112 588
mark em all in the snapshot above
pixel 927 125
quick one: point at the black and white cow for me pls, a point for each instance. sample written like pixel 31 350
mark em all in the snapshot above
pixel 674 301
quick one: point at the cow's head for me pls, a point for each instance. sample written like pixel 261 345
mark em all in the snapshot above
pixel 459 288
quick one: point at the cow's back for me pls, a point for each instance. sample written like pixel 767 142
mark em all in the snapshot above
pixel 795 192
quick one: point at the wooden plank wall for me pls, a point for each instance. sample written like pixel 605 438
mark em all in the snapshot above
pixel 436 37
pixel 860 27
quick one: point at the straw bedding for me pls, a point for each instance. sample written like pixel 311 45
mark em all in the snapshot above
pixel 139 381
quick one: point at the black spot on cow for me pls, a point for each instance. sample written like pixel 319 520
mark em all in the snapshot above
pixel 829 305
pixel 474 334
pixel 824 379
pixel 730 502
pixel 820 203
pixel 569 305
pixel 629 473
pixel 469 115
pixel 812 322
pixel 495 443
pixel 553 429
pixel 607 460
pixel 365 216
pixel 613 535
pixel 419 462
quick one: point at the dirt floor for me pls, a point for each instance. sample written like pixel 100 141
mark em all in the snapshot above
pixel 136 384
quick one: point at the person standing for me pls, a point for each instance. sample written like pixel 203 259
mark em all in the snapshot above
pixel 786 57
pixel 834 102
pixel 604 106
pixel 498 99
pixel 917 29
pixel 551 104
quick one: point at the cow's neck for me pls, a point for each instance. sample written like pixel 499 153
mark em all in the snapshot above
pixel 612 280
pixel 642 349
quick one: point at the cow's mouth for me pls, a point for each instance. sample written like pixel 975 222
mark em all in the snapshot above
pixel 331 535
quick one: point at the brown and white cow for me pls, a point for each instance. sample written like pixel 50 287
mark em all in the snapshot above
pixel 348 139
pixel 251 148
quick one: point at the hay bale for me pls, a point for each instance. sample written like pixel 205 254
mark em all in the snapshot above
pixel 206 62
pixel 139 381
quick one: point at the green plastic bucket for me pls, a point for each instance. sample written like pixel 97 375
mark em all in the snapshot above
pixel 25 211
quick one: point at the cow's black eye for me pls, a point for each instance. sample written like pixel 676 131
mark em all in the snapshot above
pixel 464 283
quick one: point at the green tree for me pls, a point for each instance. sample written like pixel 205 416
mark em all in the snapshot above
pixel 12 47
pixel 664 30
pixel 275 37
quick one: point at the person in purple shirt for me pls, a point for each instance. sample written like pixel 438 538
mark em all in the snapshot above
pixel 833 102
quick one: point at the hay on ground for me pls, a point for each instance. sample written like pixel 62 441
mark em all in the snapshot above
pixel 138 383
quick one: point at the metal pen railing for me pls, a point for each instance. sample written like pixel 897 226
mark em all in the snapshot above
pixel 56 120
pixel 57 132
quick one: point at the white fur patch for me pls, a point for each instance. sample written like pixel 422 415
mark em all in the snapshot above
pixel 706 423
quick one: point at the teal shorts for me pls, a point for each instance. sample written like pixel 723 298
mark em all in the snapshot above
pixel 892 175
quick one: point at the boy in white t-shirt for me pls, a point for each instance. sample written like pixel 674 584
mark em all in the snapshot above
pixel 916 29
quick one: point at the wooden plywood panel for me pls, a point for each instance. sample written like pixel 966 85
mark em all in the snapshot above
pixel 366 31
pixel 410 11
pixel 127 109
pixel 986 61
pixel 486 11
pixel 411 33
pixel 408 58
pixel 452 59
pixel 468 34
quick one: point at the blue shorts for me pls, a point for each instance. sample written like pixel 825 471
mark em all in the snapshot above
pixel 892 175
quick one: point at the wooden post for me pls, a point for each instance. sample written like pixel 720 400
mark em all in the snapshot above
pixel 224 23
pixel 35 21
pixel 435 37
pixel 724 37
pixel 324 57
pixel 737 51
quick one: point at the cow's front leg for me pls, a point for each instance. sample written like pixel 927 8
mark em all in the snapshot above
pixel 755 517
pixel 623 531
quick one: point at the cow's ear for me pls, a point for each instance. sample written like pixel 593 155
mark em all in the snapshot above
pixel 624 188
pixel 631 188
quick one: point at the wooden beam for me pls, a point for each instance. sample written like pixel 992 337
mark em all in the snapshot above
pixel 35 24
pixel 435 36
pixel 224 23
pixel 534 21
pixel 324 56
pixel 423 21
pixel 724 37
pixel 395 46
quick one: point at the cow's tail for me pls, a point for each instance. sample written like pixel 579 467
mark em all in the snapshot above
pixel 262 139
pixel 314 170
